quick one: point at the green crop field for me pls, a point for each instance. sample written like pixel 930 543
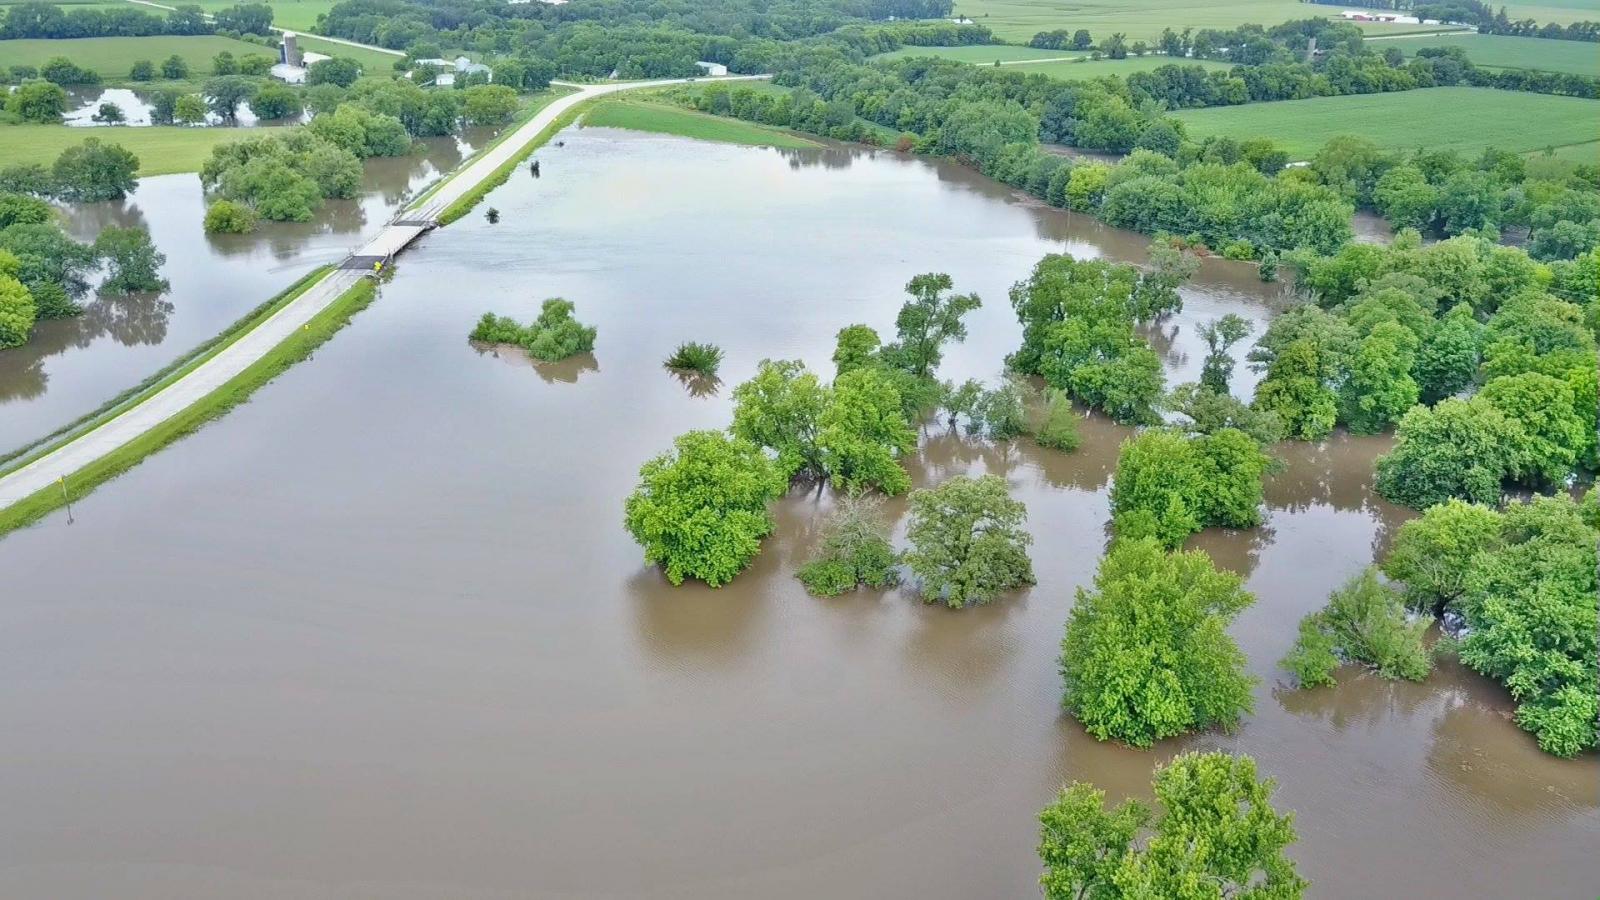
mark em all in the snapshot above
pixel 161 150
pixel 661 118
pixel 1561 11
pixel 982 54
pixel 113 56
pixel 1459 118
pixel 1019 20
pixel 1094 68
pixel 1507 52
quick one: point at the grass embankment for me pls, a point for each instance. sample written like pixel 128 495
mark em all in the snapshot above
pixel 213 405
pixel 467 201
pixel 183 365
pixel 112 57
pixel 1502 51
pixel 162 149
pixel 662 117
pixel 1019 20
pixel 1466 119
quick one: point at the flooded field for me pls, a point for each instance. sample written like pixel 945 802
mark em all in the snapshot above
pixel 380 632
pixel 71 366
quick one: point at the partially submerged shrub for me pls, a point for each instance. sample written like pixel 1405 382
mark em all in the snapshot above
pixel 855 550
pixel 228 217
pixel 554 336
pixel 1059 430
pixel 1364 622
pixel 692 356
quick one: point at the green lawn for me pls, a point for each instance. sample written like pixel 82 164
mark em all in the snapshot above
pixel 662 118
pixel 1019 20
pixel 982 54
pixel 112 57
pixel 161 150
pixel 1094 68
pixel 1460 118
pixel 1507 52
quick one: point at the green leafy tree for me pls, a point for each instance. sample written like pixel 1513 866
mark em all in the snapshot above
pixel 133 261
pixel 190 109
pixel 17 312
pixel 95 171
pixel 339 70
pixel 1530 607
pixel 276 101
pixel 1217 836
pixel 700 511
pixel 780 409
pixel 1295 391
pixel 1544 416
pixel 854 550
pixel 174 68
pixel 1220 335
pixel 1433 554
pixel 862 433
pixel 857 346
pixel 1147 654
pixel 227 217
pixel 1378 388
pixel 142 70
pixel 1002 412
pixel 1155 294
pixel 1169 485
pixel 224 64
pixel 967 541
pixel 1206 411
pixel 1459 448
pixel 37 101
pixel 224 93
pixel 962 400
pixel 556 334
pixel 488 104
pixel 1364 622
pixel 1448 360
pixel 929 320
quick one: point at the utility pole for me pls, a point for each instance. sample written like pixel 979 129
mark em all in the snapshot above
pixel 65 497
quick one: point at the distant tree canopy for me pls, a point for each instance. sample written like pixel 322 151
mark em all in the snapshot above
pixel 52 20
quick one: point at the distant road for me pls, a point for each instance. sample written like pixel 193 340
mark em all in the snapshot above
pixel 91 445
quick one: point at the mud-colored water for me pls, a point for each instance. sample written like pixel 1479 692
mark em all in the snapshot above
pixel 380 633
pixel 71 366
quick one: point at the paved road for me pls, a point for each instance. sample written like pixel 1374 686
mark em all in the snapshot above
pixel 79 452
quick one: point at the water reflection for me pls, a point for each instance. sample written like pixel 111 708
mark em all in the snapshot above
pixel 136 106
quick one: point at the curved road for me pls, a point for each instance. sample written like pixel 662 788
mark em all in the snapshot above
pixel 216 371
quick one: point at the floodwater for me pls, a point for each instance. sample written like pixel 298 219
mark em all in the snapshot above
pixel 136 108
pixel 72 365
pixel 380 632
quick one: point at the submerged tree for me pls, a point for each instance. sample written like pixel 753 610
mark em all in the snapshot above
pixel 552 337
pixel 133 261
pixel 1214 835
pixel 862 433
pixel 779 409
pixel 1364 622
pixel 855 550
pixel 967 541
pixel 1147 655
pixel 929 320
pixel 700 511
pixel 1220 335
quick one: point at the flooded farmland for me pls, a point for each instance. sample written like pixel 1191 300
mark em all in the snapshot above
pixel 380 632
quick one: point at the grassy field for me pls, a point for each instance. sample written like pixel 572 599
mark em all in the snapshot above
pixel 295 15
pixel 1507 52
pixel 981 54
pixel 112 57
pixel 1093 68
pixel 161 150
pixel 1561 11
pixel 212 406
pixel 372 62
pixel 1460 118
pixel 663 118
pixel 1019 20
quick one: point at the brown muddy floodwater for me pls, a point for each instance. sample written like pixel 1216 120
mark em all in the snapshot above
pixel 380 632
pixel 71 366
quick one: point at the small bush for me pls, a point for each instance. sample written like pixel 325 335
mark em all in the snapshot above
pixel 1059 430
pixel 855 550
pixel 692 356
pixel 228 217
pixel 552 337
pixel 1239 250
pixel 493 329
pixel 1365 621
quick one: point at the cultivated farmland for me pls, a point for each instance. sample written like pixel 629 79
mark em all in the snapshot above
pixel 1458 118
